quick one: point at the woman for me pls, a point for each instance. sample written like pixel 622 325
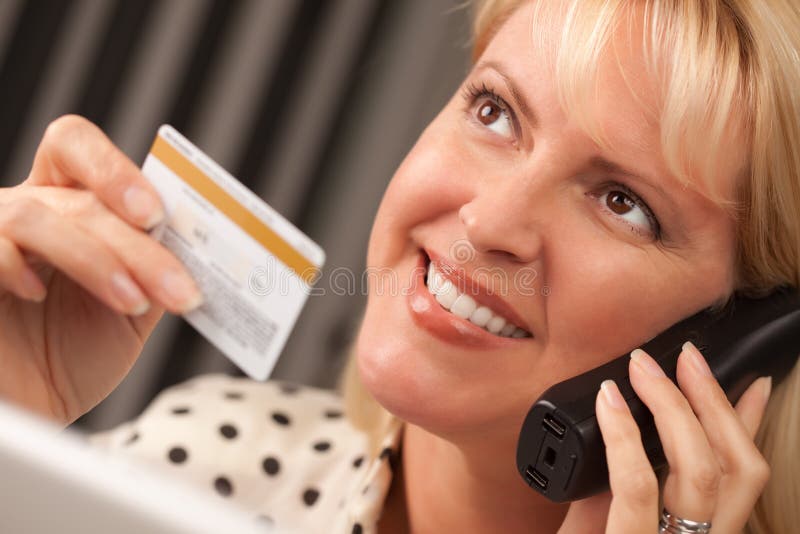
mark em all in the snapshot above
pixel 619 165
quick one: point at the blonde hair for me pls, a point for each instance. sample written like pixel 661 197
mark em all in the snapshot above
pixel 714 57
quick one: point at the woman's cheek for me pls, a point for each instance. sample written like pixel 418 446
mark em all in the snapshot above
pixel 438 173
pixel 590 314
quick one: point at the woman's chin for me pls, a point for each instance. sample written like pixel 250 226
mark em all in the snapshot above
pixel 404 382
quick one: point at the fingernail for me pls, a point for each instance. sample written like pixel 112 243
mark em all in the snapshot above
pixel 129 293
pixel 182 291
pixel 32 287
pixel 612 395
pixel 698 361
pixel 143 206
pixel 766 386
pixel 646 363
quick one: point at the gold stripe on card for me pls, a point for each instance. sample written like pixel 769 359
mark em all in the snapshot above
pixel 233 209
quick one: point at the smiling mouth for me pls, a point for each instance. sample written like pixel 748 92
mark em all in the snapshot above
pixel 464 306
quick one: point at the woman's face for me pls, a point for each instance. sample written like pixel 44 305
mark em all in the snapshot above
pixel 513 200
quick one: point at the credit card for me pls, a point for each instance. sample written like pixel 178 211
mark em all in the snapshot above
pixel 254 268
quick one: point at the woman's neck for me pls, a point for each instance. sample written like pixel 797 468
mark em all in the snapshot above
pixel 444 488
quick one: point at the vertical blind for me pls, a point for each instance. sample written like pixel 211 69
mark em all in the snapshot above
pixel 310 103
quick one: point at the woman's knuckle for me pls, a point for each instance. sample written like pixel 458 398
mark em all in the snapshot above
pixel 21 212
pixel 639 486
pixel 749 465
pixel 112 172
pixel 706 478
pixel 117 171
pixel 757 471
pixel 63 126
pixel 85 202
pixel 90 260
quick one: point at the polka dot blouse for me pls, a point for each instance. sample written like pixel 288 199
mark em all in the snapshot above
pixel 284 452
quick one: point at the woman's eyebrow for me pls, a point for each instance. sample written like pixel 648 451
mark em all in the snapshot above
pixel 516 94
pixel 602 164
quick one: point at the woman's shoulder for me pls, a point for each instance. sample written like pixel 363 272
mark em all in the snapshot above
pixel 250 441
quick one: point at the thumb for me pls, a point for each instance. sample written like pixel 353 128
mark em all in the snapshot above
pixel 587 516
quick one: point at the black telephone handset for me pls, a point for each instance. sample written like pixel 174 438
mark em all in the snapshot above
pixel 560 451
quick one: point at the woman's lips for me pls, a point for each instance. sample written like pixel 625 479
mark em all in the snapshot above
pixel 477 289
pixel 428 314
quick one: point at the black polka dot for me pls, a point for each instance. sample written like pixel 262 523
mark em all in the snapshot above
pixel 281 418
pixel 223 486
pixel 357 528
pixel 358 461
pixel 310 496
pixel 234 395
pixel 322 446
pixel 289 389
pixel 177 455
pixel 181 410
pixel 133 438
pixel 271 466
pixel 333 414
pixel 228 431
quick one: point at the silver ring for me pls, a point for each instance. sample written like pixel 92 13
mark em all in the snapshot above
pixel 671 524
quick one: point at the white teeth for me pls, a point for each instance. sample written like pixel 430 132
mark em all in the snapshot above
pixel 446 293
pixel 481 316
pixel 507 329
pixel 466 307
pixel 495 324
pixel 463 306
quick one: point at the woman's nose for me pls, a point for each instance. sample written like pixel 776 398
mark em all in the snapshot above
pixel 502 224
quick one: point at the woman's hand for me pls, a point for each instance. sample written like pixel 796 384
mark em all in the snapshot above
pixel 81 284
pixel 716 473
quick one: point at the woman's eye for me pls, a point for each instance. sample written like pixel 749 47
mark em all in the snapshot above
pixel 635 212
pixel 494 117
pixel 490 109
